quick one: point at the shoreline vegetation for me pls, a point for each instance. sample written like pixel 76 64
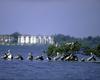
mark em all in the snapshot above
pixel 66 44
pixel 88 41
pixel 72 48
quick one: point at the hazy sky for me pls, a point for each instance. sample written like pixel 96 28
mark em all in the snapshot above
pixel 70 17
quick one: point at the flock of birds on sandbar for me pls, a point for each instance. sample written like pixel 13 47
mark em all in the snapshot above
pixel 68 57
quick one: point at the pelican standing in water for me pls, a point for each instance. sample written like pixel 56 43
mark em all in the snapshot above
pixel 57 57
pixel 49 58
pixel 30 56
pixel 19 57
pixel 39 57
pixel 91 58
pixel 8 55
pixel 4 56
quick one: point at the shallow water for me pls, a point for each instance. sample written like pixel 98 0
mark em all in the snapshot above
pixel 44 70
pixel 41 70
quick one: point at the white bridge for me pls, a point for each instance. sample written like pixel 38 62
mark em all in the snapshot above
pixel 28 39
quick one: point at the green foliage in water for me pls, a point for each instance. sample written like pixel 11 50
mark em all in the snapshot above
pixel 63 48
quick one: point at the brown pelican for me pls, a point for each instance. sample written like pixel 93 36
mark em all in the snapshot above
pixel 4 56
pixel 57 57
pixel 7 56
pixel 30 57
pixel 83 59
pixel 71 57
pixel 39 58
pixel 49 58
pixel 19 57
pixel 91 58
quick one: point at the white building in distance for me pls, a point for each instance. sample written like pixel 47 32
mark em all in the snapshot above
pixel 6 39
pixel 27 39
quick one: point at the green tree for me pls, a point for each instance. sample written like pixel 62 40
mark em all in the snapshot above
pixel 88 50
pixel 76 46
pixel 51 51
pixel 15 35
pixel 97 50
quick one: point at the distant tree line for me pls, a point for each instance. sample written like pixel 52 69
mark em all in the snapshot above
pixel 87 41
pixel 15 36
